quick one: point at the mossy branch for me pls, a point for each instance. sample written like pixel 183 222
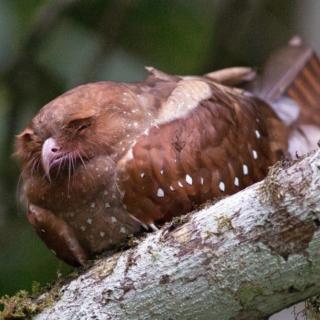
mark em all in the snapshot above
pixel 245 257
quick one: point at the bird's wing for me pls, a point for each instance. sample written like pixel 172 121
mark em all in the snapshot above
pixel 206 141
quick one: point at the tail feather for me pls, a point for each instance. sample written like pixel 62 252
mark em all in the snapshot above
pixel 290 83
pixel 305 90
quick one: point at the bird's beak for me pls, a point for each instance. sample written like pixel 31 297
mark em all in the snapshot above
pixel 49 151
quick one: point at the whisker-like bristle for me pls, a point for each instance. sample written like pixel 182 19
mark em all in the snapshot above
pixel 33 164
pixel 73 164
pixel 81 159
pixel 69 172
pixel 81 151
pixel 59 167
pixel 38 166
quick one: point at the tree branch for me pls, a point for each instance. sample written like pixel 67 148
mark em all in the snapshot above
pixel 245 257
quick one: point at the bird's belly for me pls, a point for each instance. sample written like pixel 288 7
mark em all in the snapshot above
pixel 101 225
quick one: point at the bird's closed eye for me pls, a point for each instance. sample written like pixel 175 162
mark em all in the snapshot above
pixel 84 126
pixel 80 124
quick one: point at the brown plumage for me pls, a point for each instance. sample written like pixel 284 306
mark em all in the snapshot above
pixel 105 158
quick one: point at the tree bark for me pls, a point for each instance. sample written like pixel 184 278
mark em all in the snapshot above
pixel 245 257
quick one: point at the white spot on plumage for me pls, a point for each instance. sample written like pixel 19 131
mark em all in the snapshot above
pixel 201 180
pixel 180 184
pixel 114 219
pixel 102 234
pixel 128 156
pixel 142 174
pixel 222 186
pixel 92 205
pixel 107 205
pixel 171 188
pixel 245 169
pixel 160 193
pixel 89 221
pixel 255 154
pixel 258 135
pixel 236 182
pixel 189 179
pixel 161 172
pixel 123 230
pixel 83 228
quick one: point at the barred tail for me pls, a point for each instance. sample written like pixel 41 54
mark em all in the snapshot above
pixel 305 90
pixel 290 83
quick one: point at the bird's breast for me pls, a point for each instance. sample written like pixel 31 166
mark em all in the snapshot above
pixel 89 202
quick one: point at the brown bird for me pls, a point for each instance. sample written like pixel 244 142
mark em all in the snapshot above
pixel 106 158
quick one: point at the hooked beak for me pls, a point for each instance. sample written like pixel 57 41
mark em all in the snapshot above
pixel 50 152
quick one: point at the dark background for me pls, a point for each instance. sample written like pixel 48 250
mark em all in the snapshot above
pixel 47 47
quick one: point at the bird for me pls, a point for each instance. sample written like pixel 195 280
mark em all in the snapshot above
pixel 105 160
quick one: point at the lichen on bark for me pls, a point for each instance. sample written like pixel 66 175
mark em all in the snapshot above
pixel 245 257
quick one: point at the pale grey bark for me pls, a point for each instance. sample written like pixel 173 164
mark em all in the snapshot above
pixel 245 257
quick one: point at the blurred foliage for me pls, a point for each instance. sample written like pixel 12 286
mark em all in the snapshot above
pixel 47 47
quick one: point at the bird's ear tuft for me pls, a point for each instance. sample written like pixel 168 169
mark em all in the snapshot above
pixel 25 135
pixel 23 142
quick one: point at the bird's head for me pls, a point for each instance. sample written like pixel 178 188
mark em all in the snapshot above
pixel 86 122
